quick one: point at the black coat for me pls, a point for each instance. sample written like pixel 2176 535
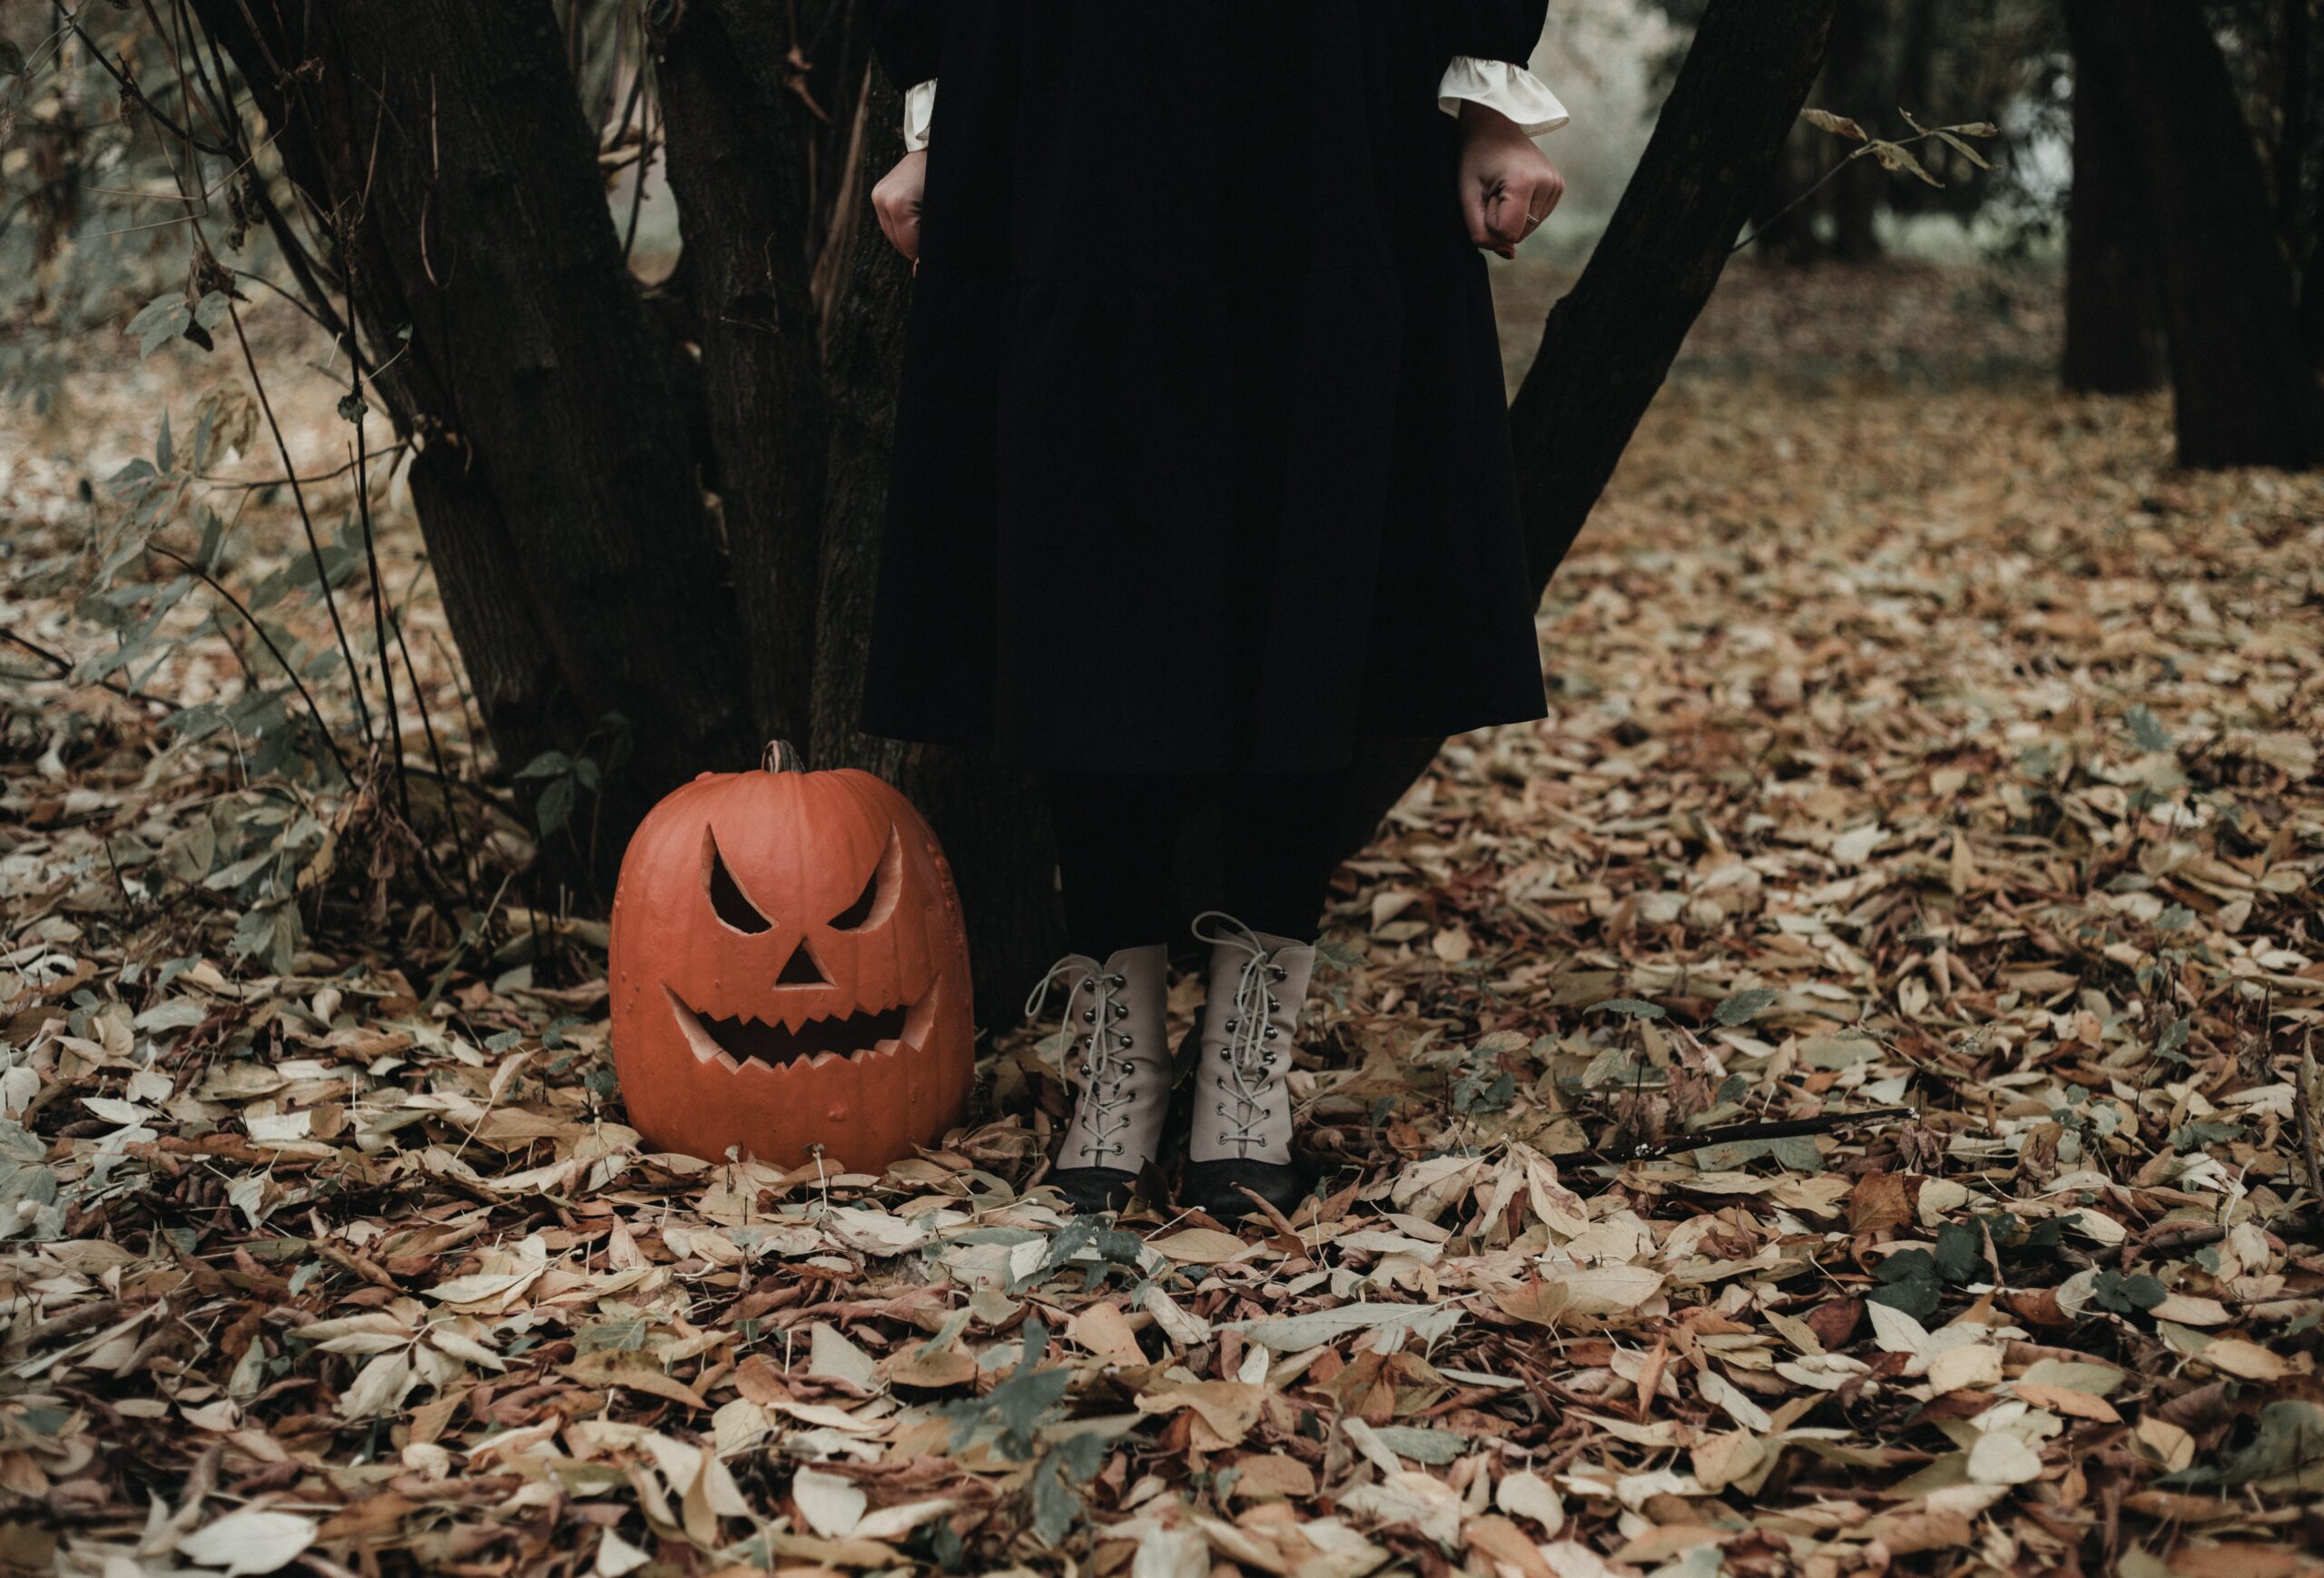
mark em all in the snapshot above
pixel 1202 455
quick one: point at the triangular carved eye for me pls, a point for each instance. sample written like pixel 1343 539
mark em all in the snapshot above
pixel 856 914
pixel 727 899
pixel 876 902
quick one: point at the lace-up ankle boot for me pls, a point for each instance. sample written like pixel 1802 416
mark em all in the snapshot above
pixel 1241 1134
pixel 1118 1064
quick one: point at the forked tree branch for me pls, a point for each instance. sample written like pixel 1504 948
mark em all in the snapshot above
pixel 1608 345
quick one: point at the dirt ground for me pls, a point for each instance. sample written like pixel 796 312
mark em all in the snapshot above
pixel 1922 746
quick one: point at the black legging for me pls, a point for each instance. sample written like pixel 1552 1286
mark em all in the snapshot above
pixel 1116 840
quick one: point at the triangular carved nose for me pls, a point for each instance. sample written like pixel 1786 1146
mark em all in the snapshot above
pixel 802 970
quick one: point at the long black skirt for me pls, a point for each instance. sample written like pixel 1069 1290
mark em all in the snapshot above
pixel 1202 455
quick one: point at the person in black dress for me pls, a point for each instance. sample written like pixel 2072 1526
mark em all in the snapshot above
pixel 1203 476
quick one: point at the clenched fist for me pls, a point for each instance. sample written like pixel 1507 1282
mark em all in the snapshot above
pixel 896 200
pixel 1508 185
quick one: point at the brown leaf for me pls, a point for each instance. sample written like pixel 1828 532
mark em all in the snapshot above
pixel 1879 1201
pixel 1201 1246
pixel 1536 1302
pixel 1835 1321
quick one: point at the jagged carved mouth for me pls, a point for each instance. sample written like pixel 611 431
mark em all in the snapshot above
pixel 857 1035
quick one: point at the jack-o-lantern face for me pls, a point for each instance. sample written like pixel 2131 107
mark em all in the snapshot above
pixel 789 969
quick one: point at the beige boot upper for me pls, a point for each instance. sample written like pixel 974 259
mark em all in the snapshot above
pixel 1117 1057
pixel 1258 984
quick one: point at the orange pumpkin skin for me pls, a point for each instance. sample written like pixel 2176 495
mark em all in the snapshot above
pixel 788 970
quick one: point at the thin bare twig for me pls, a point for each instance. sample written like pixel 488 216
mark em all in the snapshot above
pixel 2303 1104
pixel 253 484
pixel 314 543
pixel 314 712
pixel 645 147
pixel 64 666
pixel 1868 149
pixel 1738 1133
pixel 379 613
pixel 469 864
pixel 129 85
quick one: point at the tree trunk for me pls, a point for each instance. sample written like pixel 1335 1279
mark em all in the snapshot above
pixel 2245 391
pixel 553 477
pixel 802 303
pixel 2311 307
pixel 1853 82
pixel 2299 165
pixel 2295 98
pixel 1608 345
pixel 1784 215
pixel 744 162
pixel 2113 297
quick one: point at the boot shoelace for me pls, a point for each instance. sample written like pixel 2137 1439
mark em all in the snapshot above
pixel 1250 1032
pixel 1104 1067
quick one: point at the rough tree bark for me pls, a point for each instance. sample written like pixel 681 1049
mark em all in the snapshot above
pixel 2244 388
pixel 1608 345
pixel 442 145
pixel 2113 294
pixel 745 151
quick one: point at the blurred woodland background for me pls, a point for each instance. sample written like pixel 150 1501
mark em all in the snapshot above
pixel 1836 1096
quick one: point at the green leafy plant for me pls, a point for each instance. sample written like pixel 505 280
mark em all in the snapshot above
pixel 2131 1295
pixel 1016 1412
pixel 1744 1007
pixel 1916 1281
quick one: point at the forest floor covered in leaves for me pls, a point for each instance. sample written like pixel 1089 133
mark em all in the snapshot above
pixel 1923 747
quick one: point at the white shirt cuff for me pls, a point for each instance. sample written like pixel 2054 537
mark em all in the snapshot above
pixel 1503 86
pixel 920 108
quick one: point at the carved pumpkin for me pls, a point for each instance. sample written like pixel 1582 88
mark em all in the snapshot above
pixel 788 970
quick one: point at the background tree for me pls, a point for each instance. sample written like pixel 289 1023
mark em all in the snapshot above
pixel 2115 342
pixel 2192 206
pixel 2243 378
pixel 653 512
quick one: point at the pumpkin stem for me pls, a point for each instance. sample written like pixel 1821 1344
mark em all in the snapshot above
pixel 783 757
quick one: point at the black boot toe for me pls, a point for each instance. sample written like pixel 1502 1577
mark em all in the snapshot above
pixel 1089 1189
pixel 1216 1187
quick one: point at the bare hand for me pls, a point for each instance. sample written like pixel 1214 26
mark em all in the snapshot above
pixel 896 200
pixel 1508 185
